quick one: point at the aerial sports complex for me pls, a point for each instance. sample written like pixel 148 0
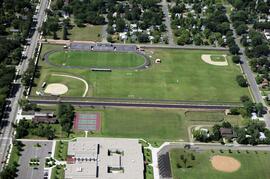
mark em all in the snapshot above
pixel 96 70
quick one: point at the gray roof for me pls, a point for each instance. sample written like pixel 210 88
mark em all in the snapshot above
pixel 93 157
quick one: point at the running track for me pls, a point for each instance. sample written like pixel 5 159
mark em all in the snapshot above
pixel 134 104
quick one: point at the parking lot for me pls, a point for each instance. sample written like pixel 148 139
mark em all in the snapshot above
pixel 31 150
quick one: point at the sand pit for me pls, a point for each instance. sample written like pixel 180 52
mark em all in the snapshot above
pixel 207 59
pixel 56 89
pixel 225 164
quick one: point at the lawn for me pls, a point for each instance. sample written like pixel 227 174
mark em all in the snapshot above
pixel 89 33
pixel 182 75
pixel 58 172
pixel 206 116
pixel 96 59
pixel 253 165
pixel 61 150
pixel 218 58
pixel 155 124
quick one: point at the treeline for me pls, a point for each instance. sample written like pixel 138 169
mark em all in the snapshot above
pixel 247 13
pixel 15 23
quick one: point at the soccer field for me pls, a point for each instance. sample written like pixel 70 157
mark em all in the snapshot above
pixel 253 165
pixel 182 75
pixel 96 59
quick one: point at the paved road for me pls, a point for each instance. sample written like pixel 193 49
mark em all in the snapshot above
pixel 132 104
pixel 250 76
pixel 167 22
pixel 6 131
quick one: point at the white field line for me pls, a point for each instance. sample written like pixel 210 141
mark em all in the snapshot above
pixel 77 78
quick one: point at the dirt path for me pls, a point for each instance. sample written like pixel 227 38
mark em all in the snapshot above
pixel 77 78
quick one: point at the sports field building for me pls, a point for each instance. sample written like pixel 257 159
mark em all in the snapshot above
pixel 104 158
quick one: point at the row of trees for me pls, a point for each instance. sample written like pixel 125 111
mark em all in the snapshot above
pixel 65 116
pixel 16 15
pixel 248 134
pixel 256 46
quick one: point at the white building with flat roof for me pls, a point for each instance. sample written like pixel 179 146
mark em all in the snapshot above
pixel 104 158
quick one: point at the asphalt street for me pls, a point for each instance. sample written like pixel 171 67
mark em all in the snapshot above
pixel 12 109
pixel 250 76
pixel 167 21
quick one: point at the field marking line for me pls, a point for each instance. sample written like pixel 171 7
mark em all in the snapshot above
pixel 74 77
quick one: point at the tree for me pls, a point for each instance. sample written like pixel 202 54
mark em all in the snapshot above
pixel 65 33
pixel 143 38
pixel 241 29
pixel 26 105
pixel 120 25
pixel 241 81
pixel 260 109
pixel 216 133
pixel 244 98
pixel 110 39
pixel 236 59
pixel 234 49
pixel 65 114
pixel 22 129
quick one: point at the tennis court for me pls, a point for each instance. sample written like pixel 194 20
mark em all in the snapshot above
pixel 87 121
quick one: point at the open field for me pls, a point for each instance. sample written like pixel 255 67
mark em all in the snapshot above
pixel 95 59
pixel 182 75
pixel 205 116
pixel 88 33
pixel 253 165
pixel 154 125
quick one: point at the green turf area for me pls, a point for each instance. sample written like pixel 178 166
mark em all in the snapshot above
pixel 143 123
pixel 218 58
pixel 88 33
pixel 14 156
pixel 61 150
pixel 253 165
pixel 96 59
pixel 205 116
pixel 149 172
pixel 58 172
pixel 182 75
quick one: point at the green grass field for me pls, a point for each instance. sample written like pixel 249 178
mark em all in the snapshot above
pixel 153 125
pixel 218 58
pixel 89 33
pixel 182 75
pixel 253 165
pixel 205 116
pixel 96 59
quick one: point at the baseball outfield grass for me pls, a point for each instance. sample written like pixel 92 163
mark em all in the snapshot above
pixel 182 75
pixel 254 164
pixel 96 59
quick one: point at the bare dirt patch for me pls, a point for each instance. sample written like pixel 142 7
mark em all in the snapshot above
pixel 56 89
pixel 225 163
pixel 207 59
